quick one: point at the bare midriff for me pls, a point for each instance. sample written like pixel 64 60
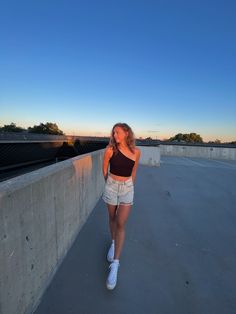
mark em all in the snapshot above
pixel 119 178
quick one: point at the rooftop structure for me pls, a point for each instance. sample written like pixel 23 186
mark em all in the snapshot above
pixel 179 254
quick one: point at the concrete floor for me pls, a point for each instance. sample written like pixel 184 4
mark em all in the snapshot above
pixel 179 254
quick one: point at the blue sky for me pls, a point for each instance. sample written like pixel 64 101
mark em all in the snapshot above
pixel 163 67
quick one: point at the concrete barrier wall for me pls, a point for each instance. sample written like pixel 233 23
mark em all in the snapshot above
pixel 199 151
pixel 150 155
pixel 41 213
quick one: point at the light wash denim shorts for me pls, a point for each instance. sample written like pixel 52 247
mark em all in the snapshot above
pixel 118 192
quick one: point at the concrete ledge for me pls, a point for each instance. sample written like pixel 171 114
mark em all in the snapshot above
pixel 150 155
pixel 228 153
pixel 41 213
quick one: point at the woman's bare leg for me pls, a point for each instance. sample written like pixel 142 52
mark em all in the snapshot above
pixel 121 218
pixel 112 219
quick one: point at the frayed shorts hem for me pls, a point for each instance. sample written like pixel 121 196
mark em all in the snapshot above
pixel 116 204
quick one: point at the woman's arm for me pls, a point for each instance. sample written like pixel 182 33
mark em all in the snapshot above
pixel 106 157
pixel 138 154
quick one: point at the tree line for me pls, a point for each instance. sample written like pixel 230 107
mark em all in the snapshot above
pixel 42 128
pixel 52 128
pixel 190 138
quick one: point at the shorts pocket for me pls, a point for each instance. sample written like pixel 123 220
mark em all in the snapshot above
pixel 109 186
pixel 129 184
pixel 129 189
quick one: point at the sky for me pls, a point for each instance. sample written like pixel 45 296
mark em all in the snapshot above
pixel 164 66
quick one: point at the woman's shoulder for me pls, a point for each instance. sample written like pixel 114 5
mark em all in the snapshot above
pixel 109 150
pixel 109 147
pixel 137 150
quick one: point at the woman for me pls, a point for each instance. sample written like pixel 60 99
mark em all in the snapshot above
pixel 122 156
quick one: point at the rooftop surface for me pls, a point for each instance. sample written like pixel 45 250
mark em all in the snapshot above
pixel 179 254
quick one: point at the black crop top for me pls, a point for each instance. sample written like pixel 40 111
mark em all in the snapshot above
pixel 121 165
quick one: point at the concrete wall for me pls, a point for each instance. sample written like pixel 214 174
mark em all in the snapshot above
pixel 150 155
pixel 199 151
pixel 41 213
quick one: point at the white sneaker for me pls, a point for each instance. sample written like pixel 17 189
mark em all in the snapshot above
pixel 112 277
pixel 111 252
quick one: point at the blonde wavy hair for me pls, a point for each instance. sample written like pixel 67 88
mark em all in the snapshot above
pixel 130 139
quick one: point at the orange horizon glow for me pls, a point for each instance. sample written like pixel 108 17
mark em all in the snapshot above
pixel 160 137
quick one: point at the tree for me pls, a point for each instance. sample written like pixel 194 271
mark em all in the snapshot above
pixel 47 128
pixel 11 128
pixel 190 138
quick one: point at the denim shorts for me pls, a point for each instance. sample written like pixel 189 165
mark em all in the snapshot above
pixel 118 192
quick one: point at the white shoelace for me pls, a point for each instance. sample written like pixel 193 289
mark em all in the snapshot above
pixel 111 251
pixel 113 271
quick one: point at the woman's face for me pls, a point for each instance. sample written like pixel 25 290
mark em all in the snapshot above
pixel 119 134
